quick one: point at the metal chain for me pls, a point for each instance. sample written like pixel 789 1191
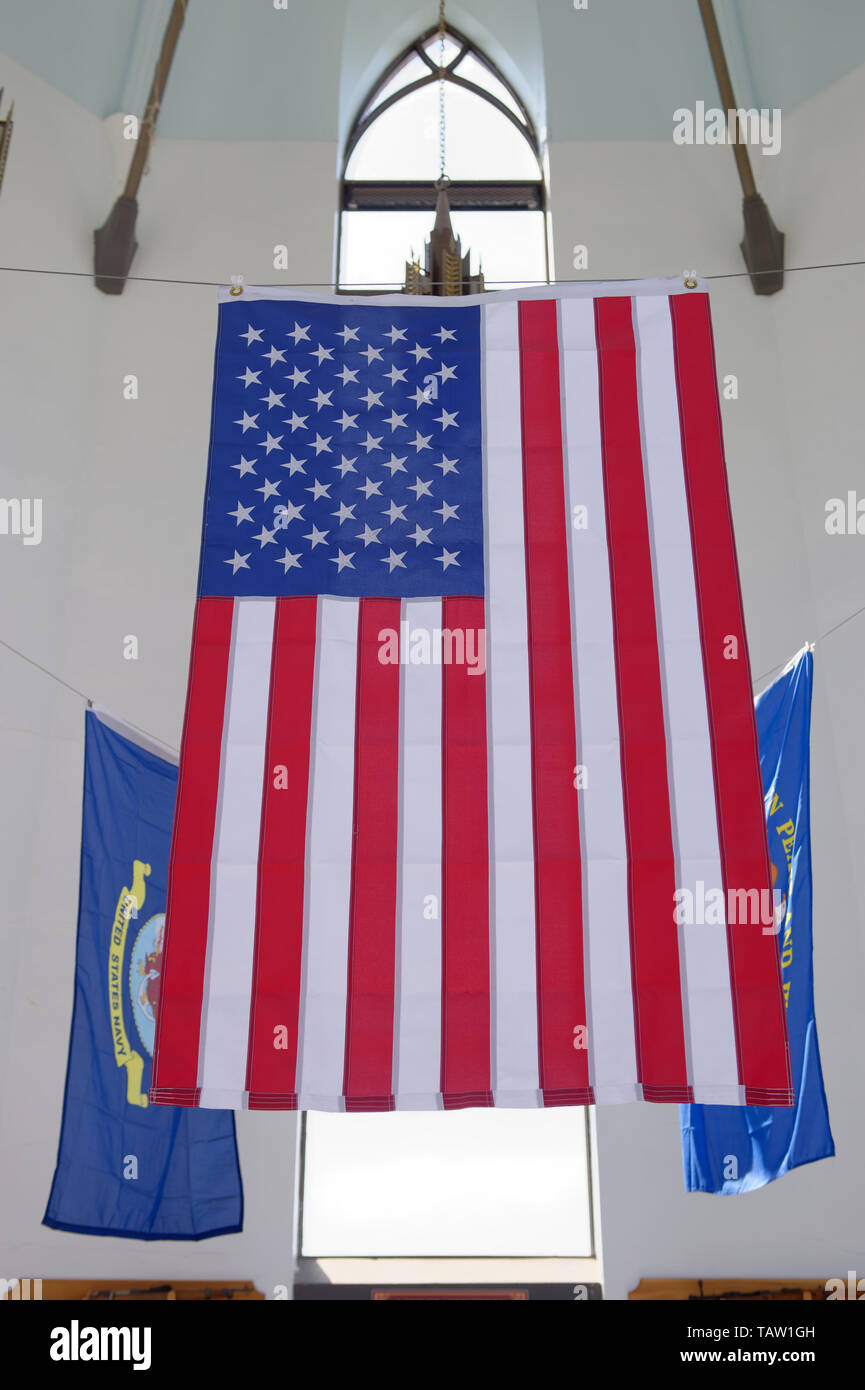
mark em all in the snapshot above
pixel 442 128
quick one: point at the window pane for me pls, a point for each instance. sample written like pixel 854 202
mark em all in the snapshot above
pixel 454 1182
pixel 452 48
pixel 375 245
pixel 414 68
pixel 476 72
pixel 404 142
pixel 510 245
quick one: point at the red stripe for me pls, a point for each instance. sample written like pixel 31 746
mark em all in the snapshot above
pixel 273 1023
pixel 758 1006
pixel 658 1013
pixel 558 871
pixel 465 1055
pixel 368 1082
pixel 175 1062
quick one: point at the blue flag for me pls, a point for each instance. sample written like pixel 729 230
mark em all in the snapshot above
pixel 732 1149
pixel 125 1168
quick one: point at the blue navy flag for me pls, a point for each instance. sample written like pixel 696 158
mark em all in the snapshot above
pixel 125 1168
pixel 730 1149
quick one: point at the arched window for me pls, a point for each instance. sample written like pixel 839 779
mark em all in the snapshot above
pixel 494 162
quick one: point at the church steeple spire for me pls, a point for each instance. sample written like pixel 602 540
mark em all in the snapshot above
pixel 446 270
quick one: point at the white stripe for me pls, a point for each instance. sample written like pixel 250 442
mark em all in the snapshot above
pixel 418 1041
pixel 328 871
pixel 612 1053
pixel 703 950
pixel 515 1011
pixel 573 289
pixel 234 876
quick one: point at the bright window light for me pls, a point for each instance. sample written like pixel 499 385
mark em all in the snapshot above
pixel 375 245
pixel 403 142
pixel 459 1183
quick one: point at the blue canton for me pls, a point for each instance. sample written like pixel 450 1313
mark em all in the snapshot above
pixel 345 452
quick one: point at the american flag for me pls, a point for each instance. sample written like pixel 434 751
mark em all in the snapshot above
pixel 469 717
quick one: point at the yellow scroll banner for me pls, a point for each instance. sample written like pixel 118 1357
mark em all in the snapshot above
pixel 130 900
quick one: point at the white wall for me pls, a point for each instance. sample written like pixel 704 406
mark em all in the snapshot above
pixel 122 486
pixel 794 438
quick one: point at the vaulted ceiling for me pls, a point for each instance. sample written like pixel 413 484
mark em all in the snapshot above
pixel 249 71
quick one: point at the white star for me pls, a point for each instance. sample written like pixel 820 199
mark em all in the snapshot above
pixel 319 489
pixel 420 489
pixel 346 421
pixel 345 466
pixel 289 513
pixel 297 422
pixel 294 465
pixel 273 441
pixel 395 464
pixel 395 374
pixel 272 399
pixel 393 561
pixel 299 378
pixel 250 377
pixel 395 513
pixel 239 561
pixel 420 536
pixel 342 561
pixel 265 537
pixel 275 356
pixel 447 418
pixel 345 513
pixel 322 445
pixel 297 333
pixel 369 488
pixel 242 513
pixel 396 422
pixel 316 536
pixel 421 396
pixel 445 511
pixel 245 466
pixel 248 422
pixel 417 352
pixel 371 442
pixel 395 334
pixel 372 398
pixel 420 441
pixel 252 335
pixel 321 353
pixel 446 373
pixel 447 558
pixel 369 536
pixel 291 562
pixel 447 465
pixel 322 398
pixel 445 333
pixel 269 490
pixel 371 354
pixel 346 333
pixel 347 375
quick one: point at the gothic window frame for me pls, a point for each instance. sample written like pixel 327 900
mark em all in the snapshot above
pixel 407 195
